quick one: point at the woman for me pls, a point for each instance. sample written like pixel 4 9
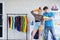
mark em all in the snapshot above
pixel 38 21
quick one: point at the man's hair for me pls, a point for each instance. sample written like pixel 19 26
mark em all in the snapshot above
pixel 45 8
pixel 40 8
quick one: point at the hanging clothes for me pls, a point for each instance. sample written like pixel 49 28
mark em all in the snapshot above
pixel 18 27
pixel 13 23
pixel 16 22
pixel 26 23
pixel 23 23
pixel 10 23
pixel 19 23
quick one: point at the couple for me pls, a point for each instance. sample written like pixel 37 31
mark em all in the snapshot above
pixel 48 23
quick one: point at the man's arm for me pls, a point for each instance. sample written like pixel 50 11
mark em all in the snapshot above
pixel 50 18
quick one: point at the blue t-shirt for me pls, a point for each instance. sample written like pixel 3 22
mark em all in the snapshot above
pixel 48 23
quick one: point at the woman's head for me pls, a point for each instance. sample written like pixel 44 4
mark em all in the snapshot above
pixel 40 10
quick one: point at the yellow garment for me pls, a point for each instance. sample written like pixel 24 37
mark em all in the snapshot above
pixel 25 24
pixel 11 23
pixel 45 17
pixel 56 23
pixel 43 38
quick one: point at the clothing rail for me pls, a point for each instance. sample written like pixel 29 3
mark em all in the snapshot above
pixel 14 15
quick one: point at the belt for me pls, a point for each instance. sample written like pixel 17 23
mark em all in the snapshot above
pixel 37 21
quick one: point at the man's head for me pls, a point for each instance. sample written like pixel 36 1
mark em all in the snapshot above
pixel 45 9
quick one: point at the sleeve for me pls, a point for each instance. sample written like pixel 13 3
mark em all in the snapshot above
pixel 52 14
pixel 42 20
pixel 32 12
pixel 44 14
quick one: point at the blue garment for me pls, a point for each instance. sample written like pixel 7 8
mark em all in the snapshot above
pixel 19 22
pixel 13 23
pixel 46 31
pixel 48 23
pixel 37 25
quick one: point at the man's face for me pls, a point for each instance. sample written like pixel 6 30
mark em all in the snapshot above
pixel 46 10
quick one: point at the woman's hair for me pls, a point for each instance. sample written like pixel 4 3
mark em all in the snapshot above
pixel 40 8
pixel 45 8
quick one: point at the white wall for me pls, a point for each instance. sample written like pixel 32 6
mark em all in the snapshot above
pixel 24 6
pixel 1 1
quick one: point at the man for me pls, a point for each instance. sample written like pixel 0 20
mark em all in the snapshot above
pixel 38 21
pixel 48 25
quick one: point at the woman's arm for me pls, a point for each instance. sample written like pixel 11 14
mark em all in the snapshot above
pixel 32 12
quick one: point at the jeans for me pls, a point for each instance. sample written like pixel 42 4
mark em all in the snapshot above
pixel 46 31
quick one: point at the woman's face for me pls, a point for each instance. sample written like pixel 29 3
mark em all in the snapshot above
pixel 39 12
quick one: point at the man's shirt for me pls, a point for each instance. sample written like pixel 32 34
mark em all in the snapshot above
pixel 48 23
